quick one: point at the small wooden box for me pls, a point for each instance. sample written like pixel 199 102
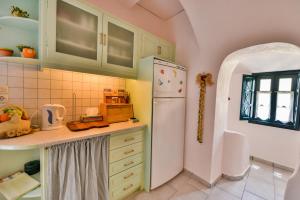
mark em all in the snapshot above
pixel 116 112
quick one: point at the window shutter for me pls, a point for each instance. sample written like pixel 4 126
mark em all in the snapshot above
pixel 247 97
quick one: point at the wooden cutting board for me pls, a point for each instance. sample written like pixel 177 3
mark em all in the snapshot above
pixel 80 126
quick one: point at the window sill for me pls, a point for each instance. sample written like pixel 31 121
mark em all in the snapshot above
pixel 274 124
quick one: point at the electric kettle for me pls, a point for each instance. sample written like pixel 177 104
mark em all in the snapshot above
pixel 52 116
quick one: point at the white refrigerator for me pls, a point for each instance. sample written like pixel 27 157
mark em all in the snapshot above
pixel 168 121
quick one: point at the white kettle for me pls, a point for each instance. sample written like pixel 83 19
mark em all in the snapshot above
pixel 52 116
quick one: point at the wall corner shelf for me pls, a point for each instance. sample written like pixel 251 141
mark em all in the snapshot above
pixel 29 61
pixel 20 22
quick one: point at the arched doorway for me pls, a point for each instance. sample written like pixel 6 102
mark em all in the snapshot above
pixel 283 56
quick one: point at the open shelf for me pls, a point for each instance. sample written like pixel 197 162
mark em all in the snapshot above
pixel 30 61
pixel 20 22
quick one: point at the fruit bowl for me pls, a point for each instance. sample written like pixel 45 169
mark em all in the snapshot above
pixel 6 52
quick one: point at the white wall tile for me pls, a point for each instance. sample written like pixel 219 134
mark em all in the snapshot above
pixel 30 83
pixel 30 103
pixel 77 76
pixel 78 102
pixel 78 93
pixel 67 76
pixel 44 74
pixel 15 69
pixel 56 101
pixel 86 78
pixel 30 93
pixel 69 111
pixel 32 88
pixel 94 94
pixel 86 102
pixel 15 93
pixel 77 85
pixel 86 94
pixel 3 68
pixel 94 86
pixel 55 94
pixel 67 94
pixel 42 102
pixel 13 81
pixel 30 71
pixel 3 80
pixel 67 102
pixel 56 84
pixel 95 102
pixel 44 93
pixel 67 85
pixel 16 101
pixel 86 86
pixel 56 74
pixel 44 84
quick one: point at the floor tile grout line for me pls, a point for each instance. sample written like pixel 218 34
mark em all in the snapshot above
pixel 247 176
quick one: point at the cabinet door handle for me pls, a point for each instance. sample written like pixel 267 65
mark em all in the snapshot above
pixel 159 50
pixel 129 175
pixel 128 152
pixel 128 187
pixel 101 38
pixel 104 39
pixel 129 139
pixel 129 163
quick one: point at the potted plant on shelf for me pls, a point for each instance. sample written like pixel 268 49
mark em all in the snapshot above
pixel 4 52
pixel 17 12
pixel 27 51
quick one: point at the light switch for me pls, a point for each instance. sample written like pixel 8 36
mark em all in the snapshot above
pixel 3 95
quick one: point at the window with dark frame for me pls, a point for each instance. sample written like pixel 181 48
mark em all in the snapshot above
pixel 271 99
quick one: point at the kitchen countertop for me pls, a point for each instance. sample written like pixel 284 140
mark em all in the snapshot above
pixel 48 138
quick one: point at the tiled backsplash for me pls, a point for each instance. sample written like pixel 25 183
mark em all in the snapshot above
pixel 31 88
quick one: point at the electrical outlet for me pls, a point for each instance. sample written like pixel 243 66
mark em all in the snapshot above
pixel 3 95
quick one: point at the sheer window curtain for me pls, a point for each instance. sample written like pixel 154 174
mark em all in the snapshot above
pixel 78 170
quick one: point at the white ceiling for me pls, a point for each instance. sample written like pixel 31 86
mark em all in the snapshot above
pixel 164 9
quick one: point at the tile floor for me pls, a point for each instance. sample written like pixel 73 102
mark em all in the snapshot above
pixel 263 182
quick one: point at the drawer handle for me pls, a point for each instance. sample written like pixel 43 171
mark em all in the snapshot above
pixel 129 163
pixel 128 187
pixel 128 152
pixel 129 139
pixel 129 175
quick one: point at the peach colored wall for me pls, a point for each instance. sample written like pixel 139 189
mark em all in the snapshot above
pixel 137 16
pixel 222 27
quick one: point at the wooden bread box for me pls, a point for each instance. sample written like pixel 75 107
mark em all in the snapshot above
pixel 116 112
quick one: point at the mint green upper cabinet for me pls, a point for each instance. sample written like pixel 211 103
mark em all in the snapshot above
pixel 154 46
pixel 165 50
pixel 73 36
pixel 150 45
pixel 120 44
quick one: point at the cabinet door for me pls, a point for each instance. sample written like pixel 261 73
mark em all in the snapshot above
pixel 165 50
pixel 119 47
pixel 150 45
pixel 72 34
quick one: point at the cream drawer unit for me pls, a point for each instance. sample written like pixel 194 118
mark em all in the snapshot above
pixel 126 163
pixel 125 190
pixel 128 176
pixel 124 152
pixel 126 139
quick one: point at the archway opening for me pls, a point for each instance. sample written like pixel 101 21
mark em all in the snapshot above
pixel 259 58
